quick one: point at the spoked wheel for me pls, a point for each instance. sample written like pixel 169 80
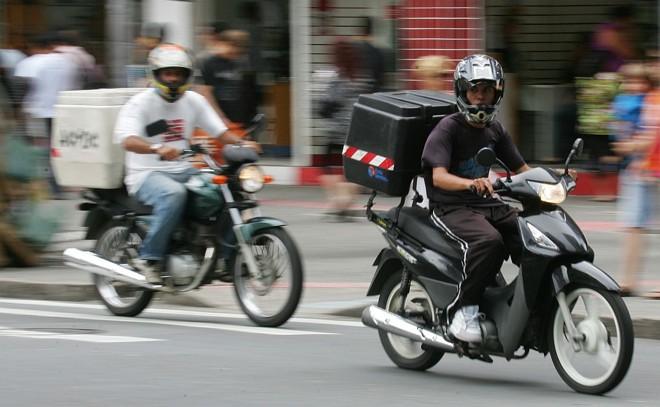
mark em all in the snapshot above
pixel 404 352
pixel 599 358
pixel 119 246
pixel 270 297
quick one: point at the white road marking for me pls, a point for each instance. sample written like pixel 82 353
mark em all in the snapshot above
pixel 95 338
pixel 201 325
pixel 166 311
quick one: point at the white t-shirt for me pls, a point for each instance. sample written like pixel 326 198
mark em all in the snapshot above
pixel 182 116
pixel 48 74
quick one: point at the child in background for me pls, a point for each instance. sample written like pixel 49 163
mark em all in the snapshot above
pixel 636 193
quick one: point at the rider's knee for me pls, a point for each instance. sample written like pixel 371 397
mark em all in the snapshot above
pixel 176 195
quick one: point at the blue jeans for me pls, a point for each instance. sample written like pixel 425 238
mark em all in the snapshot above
pixel 167 195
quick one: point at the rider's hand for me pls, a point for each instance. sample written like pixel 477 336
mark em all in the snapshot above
pixel 168 153
pixel 482 186
pixel 571 172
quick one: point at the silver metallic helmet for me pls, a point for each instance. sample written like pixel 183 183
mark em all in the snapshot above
pixel 470 71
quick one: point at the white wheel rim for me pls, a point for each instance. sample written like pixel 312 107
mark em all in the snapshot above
pixel 107 287
pixel 405 347
pixel 599 354
pixel 267 297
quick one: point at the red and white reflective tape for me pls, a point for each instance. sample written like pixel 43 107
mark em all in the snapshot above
pixel 368 158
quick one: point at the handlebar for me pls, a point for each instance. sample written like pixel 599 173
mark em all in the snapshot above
pixel 498 188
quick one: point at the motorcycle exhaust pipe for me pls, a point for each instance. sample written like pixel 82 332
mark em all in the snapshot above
pixel 92 263
pixel 376 317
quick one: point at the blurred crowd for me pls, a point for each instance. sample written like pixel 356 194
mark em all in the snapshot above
pixel 615 109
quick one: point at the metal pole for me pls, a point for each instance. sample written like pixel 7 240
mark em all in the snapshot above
pixel 119 23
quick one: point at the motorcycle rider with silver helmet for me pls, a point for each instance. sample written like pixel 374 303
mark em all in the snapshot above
pixel 460 192
pixel 153 173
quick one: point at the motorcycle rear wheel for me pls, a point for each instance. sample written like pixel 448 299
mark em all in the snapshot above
pixel 117 244
pixel 405 353
pixel 270 298
pixel 603 319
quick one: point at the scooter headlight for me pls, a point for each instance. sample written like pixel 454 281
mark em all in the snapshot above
pixel 550 193
pixel 251 178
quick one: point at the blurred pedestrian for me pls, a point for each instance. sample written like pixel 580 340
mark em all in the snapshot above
pixel 13 249
pixel 228 81
pixel 611 44
pixel 229 84
pixel 67 42
pixel 372 58
pixel 336 107
pixel 45 73
pixel 637 190
pixel 434 73
pixel 137 72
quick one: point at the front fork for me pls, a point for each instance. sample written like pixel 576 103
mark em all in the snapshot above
pixel 237 221
pixel 576 338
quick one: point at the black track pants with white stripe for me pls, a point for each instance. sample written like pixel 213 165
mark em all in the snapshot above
pixel 486 235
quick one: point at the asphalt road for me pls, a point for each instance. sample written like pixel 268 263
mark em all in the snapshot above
pixel 64 354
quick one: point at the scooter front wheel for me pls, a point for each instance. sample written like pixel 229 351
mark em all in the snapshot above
pixel 118 245
pixel 598 359
pixel 405 353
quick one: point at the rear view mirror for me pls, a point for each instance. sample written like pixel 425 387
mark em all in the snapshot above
pixel 486 157
pixel 578 146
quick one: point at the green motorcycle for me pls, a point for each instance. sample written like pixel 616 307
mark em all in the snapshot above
pixel 222 238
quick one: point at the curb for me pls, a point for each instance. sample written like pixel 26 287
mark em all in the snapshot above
pixel 644 328
pixel 46 291
pixel 81 293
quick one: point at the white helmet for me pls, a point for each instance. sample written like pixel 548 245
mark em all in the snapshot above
pixel 170 56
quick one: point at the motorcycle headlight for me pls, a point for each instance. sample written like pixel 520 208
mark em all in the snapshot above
pixel 251 178
pixel 550 193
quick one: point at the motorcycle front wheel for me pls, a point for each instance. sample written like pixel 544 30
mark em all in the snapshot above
pixel 405 353
pixel 272 296
pixel 119 245
pixel 600 358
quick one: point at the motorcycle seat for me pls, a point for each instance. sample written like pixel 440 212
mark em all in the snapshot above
pixel 119 197
pixel 416 222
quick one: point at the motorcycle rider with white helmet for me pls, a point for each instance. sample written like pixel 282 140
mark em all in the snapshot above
pixel 460 192
pixel 153 175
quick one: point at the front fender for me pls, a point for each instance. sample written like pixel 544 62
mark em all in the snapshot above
pixel 388 263
pixel 254 225
pixel 584 273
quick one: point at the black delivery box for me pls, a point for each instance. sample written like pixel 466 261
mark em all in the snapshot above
pixel 383 149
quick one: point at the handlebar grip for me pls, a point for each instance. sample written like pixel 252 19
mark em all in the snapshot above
pixel 498 184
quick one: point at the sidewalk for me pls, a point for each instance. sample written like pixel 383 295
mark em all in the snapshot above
pixel 53 281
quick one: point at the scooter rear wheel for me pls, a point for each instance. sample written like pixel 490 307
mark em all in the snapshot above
pixel 116 244
pixel 405 353
pixel 601 358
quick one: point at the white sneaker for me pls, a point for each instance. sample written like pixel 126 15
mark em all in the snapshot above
pixel 465 324
pixel 149 269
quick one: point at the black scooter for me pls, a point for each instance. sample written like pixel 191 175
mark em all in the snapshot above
pixel 559 302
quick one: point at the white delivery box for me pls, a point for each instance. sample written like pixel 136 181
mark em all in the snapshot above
pixel 83 152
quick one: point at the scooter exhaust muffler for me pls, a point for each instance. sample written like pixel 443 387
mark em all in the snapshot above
pixel 376 317
pixel 90 262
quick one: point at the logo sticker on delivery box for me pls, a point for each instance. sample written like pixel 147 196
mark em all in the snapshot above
pixel 377 173
pixel 82 139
